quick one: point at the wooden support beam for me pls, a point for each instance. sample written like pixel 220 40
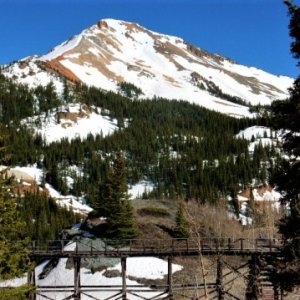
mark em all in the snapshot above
pixel 31 282
pixel 170 281
pixel 219 281
pixel 77 278
pixel 277 291
pixel 124 289
pixel 252 292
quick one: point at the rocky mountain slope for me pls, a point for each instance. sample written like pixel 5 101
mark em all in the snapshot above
pixel 113 51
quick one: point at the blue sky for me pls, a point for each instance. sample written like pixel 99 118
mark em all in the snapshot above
pixel 251 32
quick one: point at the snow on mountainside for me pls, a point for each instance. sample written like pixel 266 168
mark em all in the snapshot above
pixel 29 71
pixel 114 51
pixel 70 122
pixel 29 179
pixel 261 135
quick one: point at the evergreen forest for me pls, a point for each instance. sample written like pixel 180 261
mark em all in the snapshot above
pixel 185 150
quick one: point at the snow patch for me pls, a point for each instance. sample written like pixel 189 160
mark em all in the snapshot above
pixel 52 130
pixel 260 135
pixel 70 202
pixel 28 72
pixel 62 48
pixel 256 132
pixel 147 267
pixel 137 190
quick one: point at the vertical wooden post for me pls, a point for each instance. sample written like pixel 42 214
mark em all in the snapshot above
pixel 276 288
pixel 219 282
pixel 252 292
pixel 278 291
pixel 62 246
pixel 281 293
pixel 270 245
pixel 76 278
pixel 229 243
pixel 123 265
pixel 170 282
pixel 31 282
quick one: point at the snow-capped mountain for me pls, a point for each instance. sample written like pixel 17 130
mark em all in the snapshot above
pixel 114 51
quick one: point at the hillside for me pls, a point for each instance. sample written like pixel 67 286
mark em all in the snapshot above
pixel 177 148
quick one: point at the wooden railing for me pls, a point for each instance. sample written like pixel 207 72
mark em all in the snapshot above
pixel 158 247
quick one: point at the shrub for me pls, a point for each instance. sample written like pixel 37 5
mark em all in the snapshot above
pixel 153 211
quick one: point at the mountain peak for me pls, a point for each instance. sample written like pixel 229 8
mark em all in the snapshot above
pixel 102 24
pixel 113 51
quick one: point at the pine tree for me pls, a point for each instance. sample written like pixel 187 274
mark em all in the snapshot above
pixel 286 116
pixel 117 207
pixel 66 91
pixel 4 153
pixel 235 201
pixel 14 259
pixel 181 229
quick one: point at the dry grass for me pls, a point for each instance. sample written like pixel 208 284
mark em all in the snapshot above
pixel 155 226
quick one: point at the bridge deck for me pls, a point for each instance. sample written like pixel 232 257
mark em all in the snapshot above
pixel 159 248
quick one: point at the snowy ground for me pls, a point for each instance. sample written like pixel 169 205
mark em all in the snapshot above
pixel 52 130
pixel 28 72
pixel 137 190
pixel 260 134
pixel 272 198
pixel 69 201
pixel 33 174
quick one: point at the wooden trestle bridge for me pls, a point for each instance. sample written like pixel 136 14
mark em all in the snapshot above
pixel 255 256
